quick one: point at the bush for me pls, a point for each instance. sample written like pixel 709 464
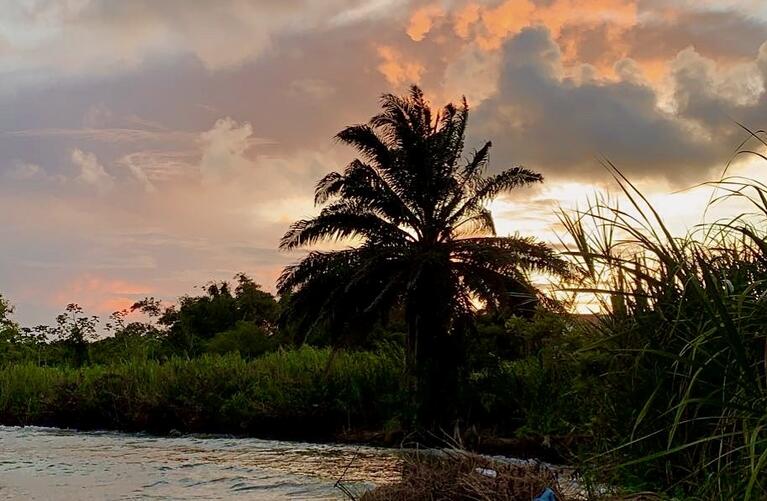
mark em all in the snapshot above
pixel 555 387
pixel 322 391
pixel 246 338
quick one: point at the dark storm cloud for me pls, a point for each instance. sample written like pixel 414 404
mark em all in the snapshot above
pixel 561 125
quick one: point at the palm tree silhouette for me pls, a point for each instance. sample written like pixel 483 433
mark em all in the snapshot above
pixel 425 239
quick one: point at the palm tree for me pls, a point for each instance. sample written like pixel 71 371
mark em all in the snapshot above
pixel 425 239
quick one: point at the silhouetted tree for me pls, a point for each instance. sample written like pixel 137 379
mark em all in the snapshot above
pixel 255 305
pixel 10 333
pixel 426 239
pixel 7 325
pixel 74 329
pixel 198 319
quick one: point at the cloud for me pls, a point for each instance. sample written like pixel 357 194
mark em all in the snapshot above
pixel 140 175
pixel 623 78
pixel 24 171
pixel 313 88
pixel 723 34
pixel 367 9
pixel 473 73
pixel 91 172
pixel 101 37
pixel 465 17
pixel 100 295
pixel 224 147
pixel 396 68
pixel 713 95
pixel 605 31
pixel 106 135
pixel 151 167
pixel 422 20
pixel 490 25
pixel 168 102
pixel 22 175
pixel 561 126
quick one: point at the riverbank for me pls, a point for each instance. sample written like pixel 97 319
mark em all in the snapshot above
pixel 113 465
pixel 457 475
pixel 291 393
pixel 306 394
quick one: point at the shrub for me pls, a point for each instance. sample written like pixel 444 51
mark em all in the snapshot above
pixel 322 391
pixel 246 338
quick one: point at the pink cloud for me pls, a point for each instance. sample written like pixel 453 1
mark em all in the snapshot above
pixel 100 295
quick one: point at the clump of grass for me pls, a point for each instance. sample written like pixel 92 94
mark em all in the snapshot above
pixel 686 324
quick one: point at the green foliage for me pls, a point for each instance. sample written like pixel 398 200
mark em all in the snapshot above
pixel 198 319
pixel 686 331
pixel 219 321
pixel 309 387
pixel 7 325
pixel 74 330
pixel 246 338
pixel 135 341
pixel 15 344
pixel 545 383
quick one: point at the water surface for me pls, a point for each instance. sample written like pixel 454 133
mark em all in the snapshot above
pixel 53 464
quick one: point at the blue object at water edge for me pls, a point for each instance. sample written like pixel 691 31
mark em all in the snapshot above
pixel 546 495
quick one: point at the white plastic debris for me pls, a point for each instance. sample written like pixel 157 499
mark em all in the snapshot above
pixel 486 472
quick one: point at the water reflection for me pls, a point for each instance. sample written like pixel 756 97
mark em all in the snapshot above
pixel 42 463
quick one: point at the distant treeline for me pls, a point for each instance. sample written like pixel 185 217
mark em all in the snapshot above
pixel 226 317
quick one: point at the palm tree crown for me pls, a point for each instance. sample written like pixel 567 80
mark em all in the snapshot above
pixel 418 213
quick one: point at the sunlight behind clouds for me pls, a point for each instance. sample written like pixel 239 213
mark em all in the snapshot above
pixel 209 123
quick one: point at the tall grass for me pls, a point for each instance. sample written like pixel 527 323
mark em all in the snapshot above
pixel 300 392
pixel 687 324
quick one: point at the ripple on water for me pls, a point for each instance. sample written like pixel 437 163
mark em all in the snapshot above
pixel 44 463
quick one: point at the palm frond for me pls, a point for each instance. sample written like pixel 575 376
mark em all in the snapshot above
pixel 365 140
pixel 505 254
pixel 339 222
pixel 486 189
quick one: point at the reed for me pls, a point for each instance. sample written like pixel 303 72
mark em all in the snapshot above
pixel 685 323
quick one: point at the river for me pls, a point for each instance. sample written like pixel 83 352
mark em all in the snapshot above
pixel 53 464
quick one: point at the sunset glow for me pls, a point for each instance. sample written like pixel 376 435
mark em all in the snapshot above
pixel 178 148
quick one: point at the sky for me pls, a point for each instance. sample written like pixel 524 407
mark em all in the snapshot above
pixel 148 147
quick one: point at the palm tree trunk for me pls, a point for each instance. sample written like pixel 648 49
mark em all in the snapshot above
pixel 428 316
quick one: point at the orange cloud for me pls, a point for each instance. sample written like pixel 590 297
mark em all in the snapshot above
pixel 396 68
pixel 505 20
pixel 511 16
pixel 422 21
pixel 489 26
pixel 465 18
pixel 100 295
